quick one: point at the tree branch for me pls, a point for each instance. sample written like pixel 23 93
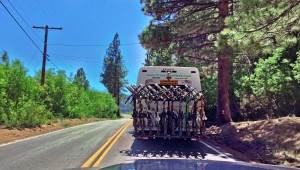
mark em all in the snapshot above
pixel 272 21
pixel 206 44
pixel 212 61
pixel 190 37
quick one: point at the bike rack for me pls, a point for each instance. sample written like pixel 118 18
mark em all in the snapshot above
pixel 166 122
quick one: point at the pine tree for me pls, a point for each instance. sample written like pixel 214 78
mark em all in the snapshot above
pixel 80 79
pixel 148 61
pixel 232 34
pixel 190 30
pixel 260 27
pixel 4 57
pixel 256 31
pixel 159 58
pixel 114 71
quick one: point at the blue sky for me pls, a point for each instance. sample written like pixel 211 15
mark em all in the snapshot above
pixel 84 22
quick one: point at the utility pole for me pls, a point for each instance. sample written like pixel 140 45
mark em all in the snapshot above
pixel 46 28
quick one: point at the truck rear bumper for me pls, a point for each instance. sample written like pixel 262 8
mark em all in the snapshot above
pixel 192 138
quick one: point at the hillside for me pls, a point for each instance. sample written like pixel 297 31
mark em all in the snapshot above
pixel 274 141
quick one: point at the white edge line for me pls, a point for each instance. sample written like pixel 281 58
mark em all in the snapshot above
pixel 219 152
pixel 44 134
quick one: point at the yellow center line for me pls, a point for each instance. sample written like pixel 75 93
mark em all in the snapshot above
pixel 96 164
pixel 96 154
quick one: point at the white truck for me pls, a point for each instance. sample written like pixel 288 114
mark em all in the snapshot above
pixel 168 103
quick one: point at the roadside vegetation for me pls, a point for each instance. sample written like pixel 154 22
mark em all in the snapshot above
pixel 248 55
pixel 254 49
pixel 128 113
pixel 25 103
pixel 274 141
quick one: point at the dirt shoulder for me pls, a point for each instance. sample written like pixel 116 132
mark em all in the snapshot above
pixel 10 135
pixel 275 141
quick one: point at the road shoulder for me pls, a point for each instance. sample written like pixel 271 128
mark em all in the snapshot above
pixel 12 135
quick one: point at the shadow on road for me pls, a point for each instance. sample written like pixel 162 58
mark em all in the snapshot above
pixel 160 148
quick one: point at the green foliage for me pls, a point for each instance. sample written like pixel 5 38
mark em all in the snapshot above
pixel 262 26
pixel 159 58
pixel 80 79
pixel 4 57
pixel 271 75
pixel 209 85
pixel 265 33
pixel 296 70
pixel 114 117
pixel 188 30
pixel 273 85
pixel 261 38
pixel 181 29
pixel 55 92
pixel 23 102
pixel 66 99
pixel 20 103
pixel 66 124
pixel 103 104
pixel 128 113
pixel 114 71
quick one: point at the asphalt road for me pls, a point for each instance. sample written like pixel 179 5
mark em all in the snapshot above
pixel 73 147
pixel 70 148
pixel 129 150
pixel 63 149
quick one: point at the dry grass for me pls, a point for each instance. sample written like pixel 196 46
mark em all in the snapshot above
pixel 275 141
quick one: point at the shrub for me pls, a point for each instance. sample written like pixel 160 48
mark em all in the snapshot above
pixel 23 102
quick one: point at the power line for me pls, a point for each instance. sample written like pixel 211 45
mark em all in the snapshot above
pixel 57 17
pixel 31 58
pixel 24 29
pixel 89 45
pixel 21 27
pixel 43 11
pixel 85 61
pixel 71 57
pixel 54 12
pixel 84 57
pixel 39 60
pixel 52 63
pixel 35 63
pixel 89 59
pixel 24 20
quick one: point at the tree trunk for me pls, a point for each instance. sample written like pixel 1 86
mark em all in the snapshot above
pixel 118 98
pixel 223 111
pixel 297 98
pixel 234 108
pixel 297 108
pixel 116 89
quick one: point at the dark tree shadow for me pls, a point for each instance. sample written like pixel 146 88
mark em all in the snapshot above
pixel 174 148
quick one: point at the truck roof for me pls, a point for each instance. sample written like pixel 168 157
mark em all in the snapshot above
pixel 169 75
